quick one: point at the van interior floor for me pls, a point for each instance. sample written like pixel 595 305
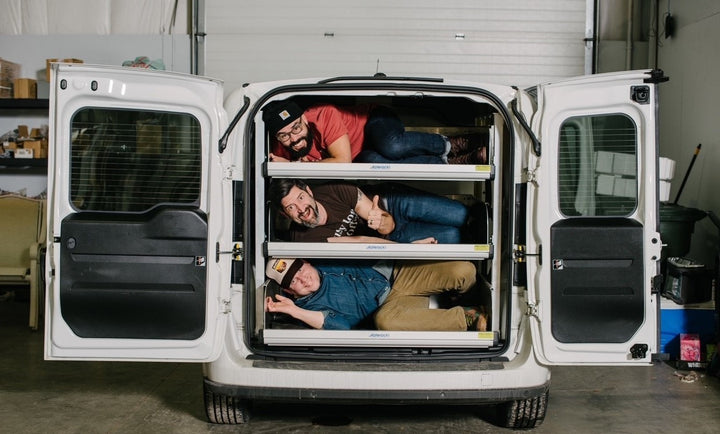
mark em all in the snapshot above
pixel 63 397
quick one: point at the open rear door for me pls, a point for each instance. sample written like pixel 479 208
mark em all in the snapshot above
pixel 594 208
pixel 132 272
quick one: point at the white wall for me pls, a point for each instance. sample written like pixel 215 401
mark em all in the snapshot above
pixel 519 42
pixel 689 112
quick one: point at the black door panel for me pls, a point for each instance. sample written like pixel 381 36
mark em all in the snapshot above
pixel 134 276
pixel 596 280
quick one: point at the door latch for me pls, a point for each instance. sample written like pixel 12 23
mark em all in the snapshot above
pixel 236 252
pixel 638 351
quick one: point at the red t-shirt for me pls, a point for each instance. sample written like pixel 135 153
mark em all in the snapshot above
pixel 328 123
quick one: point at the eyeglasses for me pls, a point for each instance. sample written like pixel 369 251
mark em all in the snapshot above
pixel 295 129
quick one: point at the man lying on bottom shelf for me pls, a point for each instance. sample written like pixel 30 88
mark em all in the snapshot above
pixel 336 295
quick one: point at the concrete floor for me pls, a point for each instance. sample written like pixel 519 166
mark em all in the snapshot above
pixel 102 397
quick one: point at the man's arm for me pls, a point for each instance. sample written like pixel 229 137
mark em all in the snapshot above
pixel 376 217
pixel 339 151
pixel 286 305
pixel 375 240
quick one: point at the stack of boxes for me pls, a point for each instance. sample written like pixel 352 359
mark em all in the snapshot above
pixel 23 142
pixel 9 71
pixel 27 144
pixel 616 174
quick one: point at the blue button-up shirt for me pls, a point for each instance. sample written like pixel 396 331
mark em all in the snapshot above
pixel 348 293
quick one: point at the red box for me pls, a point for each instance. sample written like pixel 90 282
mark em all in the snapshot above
pixel 690 347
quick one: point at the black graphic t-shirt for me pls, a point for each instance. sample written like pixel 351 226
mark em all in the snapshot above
pixel 339 201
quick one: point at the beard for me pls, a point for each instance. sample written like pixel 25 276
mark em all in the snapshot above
pixel 297 155
pixel 315 221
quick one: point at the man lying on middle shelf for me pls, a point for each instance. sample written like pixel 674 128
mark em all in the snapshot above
pixel 342 212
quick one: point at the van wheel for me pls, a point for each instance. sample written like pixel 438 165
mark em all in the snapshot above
pixel 524 413
pixel 225 409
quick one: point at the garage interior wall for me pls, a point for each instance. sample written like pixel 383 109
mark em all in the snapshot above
pixel 519 42
pixel 689 111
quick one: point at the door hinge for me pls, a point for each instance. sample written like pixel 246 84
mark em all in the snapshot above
pixel 229 172
pixel 236 252
pixel 532 310
pixel 529 176
pixel 225 306
pixel 520 253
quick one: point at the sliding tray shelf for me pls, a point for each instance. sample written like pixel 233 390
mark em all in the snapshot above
pixel 386 171
pixel 379 338
pixel 379 251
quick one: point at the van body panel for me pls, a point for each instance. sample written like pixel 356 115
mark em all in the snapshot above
pixel 133 273
pixel 593 205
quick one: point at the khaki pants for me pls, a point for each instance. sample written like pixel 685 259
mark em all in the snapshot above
pixel 407 305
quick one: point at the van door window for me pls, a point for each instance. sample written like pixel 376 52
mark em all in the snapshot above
pixel 133 160
pixel 597 166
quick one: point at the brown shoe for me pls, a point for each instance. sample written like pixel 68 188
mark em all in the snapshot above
pixel 476 318
pixel 459 145
pixel 465 143
pixel 477 156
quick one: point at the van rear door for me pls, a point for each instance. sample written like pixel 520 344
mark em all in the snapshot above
pixel 132 269
pixel 593 202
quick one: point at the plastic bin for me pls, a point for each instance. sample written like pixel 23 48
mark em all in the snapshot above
pixel 677 224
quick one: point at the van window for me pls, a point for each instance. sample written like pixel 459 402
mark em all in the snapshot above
pixel 133 160
pixel 597 166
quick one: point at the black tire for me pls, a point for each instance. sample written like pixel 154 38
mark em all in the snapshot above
pixel 224 409
pixel 524 413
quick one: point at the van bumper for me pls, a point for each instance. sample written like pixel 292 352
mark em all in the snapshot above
pixel 350 396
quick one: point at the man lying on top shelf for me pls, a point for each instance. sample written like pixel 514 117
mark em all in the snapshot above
pixel 336 295
pixel 341 212
pixel 365 134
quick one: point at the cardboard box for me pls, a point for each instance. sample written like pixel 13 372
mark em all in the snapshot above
pixel 690 347
pixel 149 138
pixel 23 153
pixel 23 131
pixel 25 88
pixel 39 147
pixel 49 61
pixel 9 71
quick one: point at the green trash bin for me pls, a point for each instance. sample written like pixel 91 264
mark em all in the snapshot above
pixel 677 224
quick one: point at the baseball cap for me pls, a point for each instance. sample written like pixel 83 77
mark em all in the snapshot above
pixel 283 270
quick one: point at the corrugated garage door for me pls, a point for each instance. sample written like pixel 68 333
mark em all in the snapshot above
pixel 520 42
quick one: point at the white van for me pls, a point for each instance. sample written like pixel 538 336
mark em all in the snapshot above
pixel 160 229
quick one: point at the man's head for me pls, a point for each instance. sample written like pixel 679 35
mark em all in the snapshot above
pixel 295 276
pixel 294 198
pixel 285 121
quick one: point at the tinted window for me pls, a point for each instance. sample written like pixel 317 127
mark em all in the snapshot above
pixel 126 160
pixel 597 166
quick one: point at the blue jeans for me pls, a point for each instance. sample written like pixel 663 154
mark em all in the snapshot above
pixel 419 214
pixel 386 141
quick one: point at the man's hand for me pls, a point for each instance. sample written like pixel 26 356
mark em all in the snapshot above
pixel 282 305
pixel 277 159
pixel 379 219
pixel 286 305
pixel 428 240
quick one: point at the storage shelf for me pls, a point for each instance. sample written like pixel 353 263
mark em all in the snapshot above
pixel 22 163
pixel 378 251
pixel 377 338
pixel 385 171
pixel 23 103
